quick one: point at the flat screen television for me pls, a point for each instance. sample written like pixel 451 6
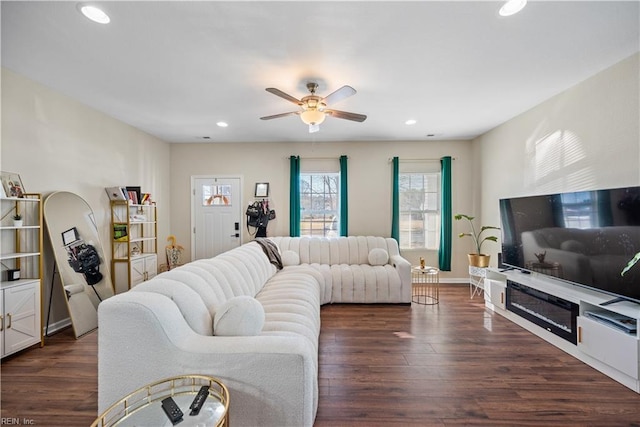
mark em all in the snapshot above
pixel 586 238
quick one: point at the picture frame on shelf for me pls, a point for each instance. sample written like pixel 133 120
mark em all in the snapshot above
pixel 116 193
pixel 12 184
pixel 262 189
pixel 70 236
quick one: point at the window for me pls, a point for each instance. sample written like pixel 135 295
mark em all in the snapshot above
pixel 419 210
pixel 579 210
pixel 319 204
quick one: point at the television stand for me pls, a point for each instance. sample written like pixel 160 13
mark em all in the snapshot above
pixel 611 350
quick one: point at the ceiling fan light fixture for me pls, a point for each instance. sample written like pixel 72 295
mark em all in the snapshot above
pixel 512 7
pixel 94 13
pixel 312 116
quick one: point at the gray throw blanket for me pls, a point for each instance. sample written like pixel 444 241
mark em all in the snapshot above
pixel 271 251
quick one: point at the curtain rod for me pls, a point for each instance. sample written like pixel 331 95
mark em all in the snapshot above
pixel 317 158
pixel 418 160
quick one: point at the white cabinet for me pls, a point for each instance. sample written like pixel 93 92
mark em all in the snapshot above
pixel 21 317
pixel 21 281
pixel 134 244
pixel 137 270
pixel 614 348
pixel 607 343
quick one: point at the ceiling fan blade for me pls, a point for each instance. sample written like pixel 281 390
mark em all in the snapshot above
pixel 277 116
pixel 281 94
pixel 339 95
pixel 346 115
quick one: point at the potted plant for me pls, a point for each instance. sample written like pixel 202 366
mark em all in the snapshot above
pixel 17 220
pixel 477 259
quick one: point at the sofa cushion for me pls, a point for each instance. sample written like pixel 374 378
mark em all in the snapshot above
pixel 290 258
pixel 241 315
pixel 378 256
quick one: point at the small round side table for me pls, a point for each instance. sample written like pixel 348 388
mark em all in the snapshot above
pixel 143 406
pixel 425 283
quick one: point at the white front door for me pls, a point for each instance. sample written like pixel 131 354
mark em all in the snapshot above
pixel 217 215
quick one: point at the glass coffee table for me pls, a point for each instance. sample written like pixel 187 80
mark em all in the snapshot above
pixel 143 406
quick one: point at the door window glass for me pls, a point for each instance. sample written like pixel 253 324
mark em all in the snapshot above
pixel 216 195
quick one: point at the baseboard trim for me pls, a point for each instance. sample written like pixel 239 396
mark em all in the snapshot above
pixel 57 326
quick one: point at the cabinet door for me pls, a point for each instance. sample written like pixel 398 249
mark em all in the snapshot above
pixel 151 266
pixel 22 317
pixel 2 323
pixel 137 271
pixel 613 347
pixel 495 293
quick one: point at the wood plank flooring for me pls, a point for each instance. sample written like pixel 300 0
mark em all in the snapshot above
pixel 450 364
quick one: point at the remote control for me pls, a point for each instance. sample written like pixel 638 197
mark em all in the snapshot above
pixel 199 400
pixel 171 409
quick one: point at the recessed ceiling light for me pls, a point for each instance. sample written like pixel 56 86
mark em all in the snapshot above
pixel 94 13
pixel 222 124
pixel 512 7
pixel 410 122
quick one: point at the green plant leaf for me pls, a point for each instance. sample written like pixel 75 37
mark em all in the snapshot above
pixel 631 263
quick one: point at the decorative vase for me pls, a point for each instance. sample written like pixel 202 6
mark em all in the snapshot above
pixel 17 223
pixel 479 260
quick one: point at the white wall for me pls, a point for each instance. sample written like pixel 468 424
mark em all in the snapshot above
pixel 587 137
pixel 369 182
pixel 56 143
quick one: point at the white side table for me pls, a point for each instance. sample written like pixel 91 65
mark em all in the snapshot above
pixel 425 285
pixel 477 275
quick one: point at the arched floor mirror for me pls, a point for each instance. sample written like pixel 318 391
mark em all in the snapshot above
pixel 80 260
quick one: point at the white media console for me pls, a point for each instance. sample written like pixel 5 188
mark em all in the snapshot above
pixel 610 350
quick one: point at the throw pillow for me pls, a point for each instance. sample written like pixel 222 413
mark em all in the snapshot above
pixel 290 258
pixel 242 315
pixel 378 256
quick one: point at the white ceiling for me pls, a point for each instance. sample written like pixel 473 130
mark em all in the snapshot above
pixel 174 69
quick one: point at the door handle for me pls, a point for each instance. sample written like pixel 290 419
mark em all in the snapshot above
pixel 1 323
pixel 9 317
pixel 235 235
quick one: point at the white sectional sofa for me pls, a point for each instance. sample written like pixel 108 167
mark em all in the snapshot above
pixel 239 318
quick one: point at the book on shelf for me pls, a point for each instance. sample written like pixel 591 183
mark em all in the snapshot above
pixel 619 321
pixel 120 232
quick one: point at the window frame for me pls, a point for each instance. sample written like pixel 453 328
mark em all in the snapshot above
pixel 330 227
pixel 433 192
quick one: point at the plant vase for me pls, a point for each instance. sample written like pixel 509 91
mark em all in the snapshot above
pixel 479 260
pixel 17 223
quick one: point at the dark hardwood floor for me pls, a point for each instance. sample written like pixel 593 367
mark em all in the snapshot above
pixel 445 365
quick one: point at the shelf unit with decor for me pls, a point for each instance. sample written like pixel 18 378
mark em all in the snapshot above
pixel 134 244
pixel 21 284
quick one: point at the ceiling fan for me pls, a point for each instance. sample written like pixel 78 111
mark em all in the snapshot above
pixel 313 108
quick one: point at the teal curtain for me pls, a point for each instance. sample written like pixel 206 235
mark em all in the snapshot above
pixel 344 198
pixel 294 196
pixel 446 226
pixel 395 201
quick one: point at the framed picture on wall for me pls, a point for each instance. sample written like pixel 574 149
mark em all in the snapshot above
pixel 12 184
pixel 262 189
